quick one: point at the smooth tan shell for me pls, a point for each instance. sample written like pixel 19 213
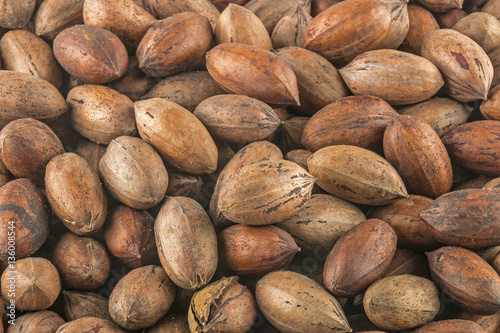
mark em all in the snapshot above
pixel 175 44
pixel 23 95
pixel 271 11
pixel 39 321
pixel 399 78
pixel 483 28
pixel 400 24
pixel 237 24
pixel 334 35
pixel 53 16
pixel 178 136
pixel 84 324
pixel 186 89
pixel 419 155
pixel 186 242
pixel 401 302
pixel 237 118
pixel 283 293
pixel 356 174
pixel 75 193
pixel 141 298
pixel 254 152
pixel 465 277
pixel 101 114
pixel 22 51
pixel 252 71
pixel 359 257
pixel 133 172
pixel 443 114
pixel 265 192
pixel 441 6
pixel 466 68
pixel 124 18
pixel 321 222
pixel 291 28
pixel 490 108
pixel 354 120
pixel 421 23
pixel 318 81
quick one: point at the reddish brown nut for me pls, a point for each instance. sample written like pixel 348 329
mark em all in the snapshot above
pixel 36 283
pixel 16 14
pixel 450 326
pixel 83 262
pixel 91 152
pixel 26 147
pixel 90 324
pixel 359 257
pixel 184 185
pixel 40 321
pixel 421 23
pixel 53 16
pixel 24 216
pixel 171 323
pixel 94 55
pixel 407 262
pixel 78 304
pixel 129 236
pixel 141 298
pixel 255 250
pixel 469 280
pixel 174 44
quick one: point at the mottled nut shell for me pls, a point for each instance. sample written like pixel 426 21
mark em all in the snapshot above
pixel 129 236
pixel 37 284
pixel 171 323
pixel 100 114
pixel 184 185
pixel 24 214
pixel 490 324
pixel 291 28
pixel 400 24
pixel 333 34
pixel 354 120
pixel 416 151
pixel 78 304
pixel 465 277
pixel 441 6
pixel 252 71
pixel 186 242
pixel 421 23
pixel 23 96
pixel 134 83
pixel 403 216
pixel 259 151
pixel 26 147
pixel 271 11
pixel 254 250
pixel 93 55
pixel 265 193
pixel 75 194
pixel 397 77
pixel 401 302
pixel 474 147
pixel 318 81
pixel 127 20
pixel 295 303
pixel 466 68
pixel 449 19
pixel 443 114
pixel 83 262
pixel 141 298
pixel 450 326
pixel 186 89
pixel 178 136
pixel 482 28
pixel 237 119
pixel 490 108
pixel 90 324
pixel 91 152
pixel 356 174
pixel 186 37
pixel 53 16
pixel 237 24
pixel 359 257
pixel 22 51
pixel 493 184
pixel 407 262
pixel 222 306
pixel 15 14
pixel 133 172
pixel 468 218
pixel 40 321
pixel 321 222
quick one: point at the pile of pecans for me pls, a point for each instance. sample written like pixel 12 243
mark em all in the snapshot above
pixel 249 166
